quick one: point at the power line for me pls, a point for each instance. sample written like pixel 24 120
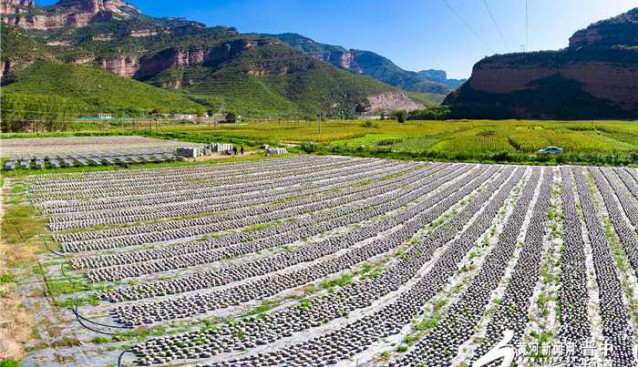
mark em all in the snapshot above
pixel 526 26
pixel 487 6
pixel 467 25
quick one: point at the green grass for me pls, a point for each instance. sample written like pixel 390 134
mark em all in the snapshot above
pixel 265 306
pixel 426 324
pixel 141 333
pixel 341 281
pixel 7 278
pixel 402 348
pixel 9 362
pixel 20 224
pixel 91 89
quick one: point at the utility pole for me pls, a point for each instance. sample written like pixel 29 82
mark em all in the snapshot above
pixel 320 116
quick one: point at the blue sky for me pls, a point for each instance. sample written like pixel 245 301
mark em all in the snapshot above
pixel 415 34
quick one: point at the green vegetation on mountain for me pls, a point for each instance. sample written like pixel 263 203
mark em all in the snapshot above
pixel 620 31
pixel 306 44
pixel 277 79
pixel 17 46
pixel 427 99
pixel 94 90
pixel 112 39
pixel 247 74
pixel 365 62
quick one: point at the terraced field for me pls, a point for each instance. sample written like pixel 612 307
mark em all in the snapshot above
pixel 322 260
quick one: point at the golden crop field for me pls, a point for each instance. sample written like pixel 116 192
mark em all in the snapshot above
pixel 454 138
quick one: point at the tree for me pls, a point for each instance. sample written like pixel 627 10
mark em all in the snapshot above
pixel 431 113
pixel 22 113
pixel 12 112
pixel 231 117
pixel 54 117
pixel 401 116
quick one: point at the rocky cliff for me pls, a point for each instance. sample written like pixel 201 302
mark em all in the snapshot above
pixel 620 31
pixel 596 76
pixel 392 101
pixel 251 74
pixel 66 13
pixel 183 58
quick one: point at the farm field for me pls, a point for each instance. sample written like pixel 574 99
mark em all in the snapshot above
pixel 593 142
pixel 93 144
pixel 336 261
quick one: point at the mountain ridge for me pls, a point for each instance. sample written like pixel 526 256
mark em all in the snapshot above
pixel 596 76
pixel 371 64
pixel 187 57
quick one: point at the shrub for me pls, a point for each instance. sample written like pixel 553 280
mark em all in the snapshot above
pixel 231 117
pixel 401 116
pixel 502 157
pixel 402 348
pixel 7 278
pixel 370 124
pixel 9 363
pixel 309 147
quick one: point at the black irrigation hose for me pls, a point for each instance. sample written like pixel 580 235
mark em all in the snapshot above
pixel 81 317
pixel 77 313
pixel 89 328
pixel 46 244
pixel 119 359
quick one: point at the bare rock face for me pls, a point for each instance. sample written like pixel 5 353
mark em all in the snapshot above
pixel 16 12
pixel 585 37
pixel 614 82
pixel 16 7
pixel 66 13
pixel 123 66
pixel 496 75
pixel 392 101
pixel 185 58
pixel 342 59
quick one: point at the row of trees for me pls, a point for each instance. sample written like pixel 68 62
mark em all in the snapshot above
pixel 22 112
pixel 428 113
